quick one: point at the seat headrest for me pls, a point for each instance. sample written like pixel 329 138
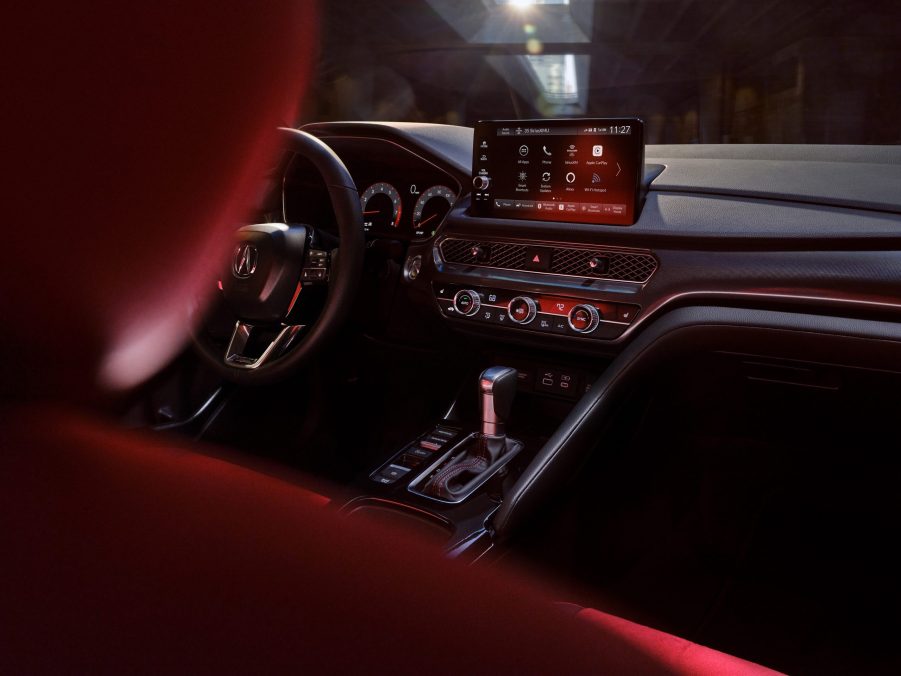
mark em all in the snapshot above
pixel 134 137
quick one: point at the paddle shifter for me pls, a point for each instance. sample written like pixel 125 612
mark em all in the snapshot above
pixel 482 453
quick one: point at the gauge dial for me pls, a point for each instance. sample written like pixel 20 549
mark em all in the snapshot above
pixel 431 208
pixel 381 207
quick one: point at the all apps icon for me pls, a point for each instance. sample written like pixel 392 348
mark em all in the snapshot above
pixel 523 150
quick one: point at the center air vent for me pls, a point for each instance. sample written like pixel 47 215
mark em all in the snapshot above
pixel 617 265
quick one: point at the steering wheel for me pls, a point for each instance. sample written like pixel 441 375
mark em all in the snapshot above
pixel 271 265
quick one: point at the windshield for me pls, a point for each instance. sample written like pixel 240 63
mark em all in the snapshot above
pixel 696 71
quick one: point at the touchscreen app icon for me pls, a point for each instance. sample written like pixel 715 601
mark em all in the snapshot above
pixel 597 151
pixel 546 151
pixel 523 150
pixel 546 176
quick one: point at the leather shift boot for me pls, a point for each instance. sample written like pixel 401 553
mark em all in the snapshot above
pixel 456 477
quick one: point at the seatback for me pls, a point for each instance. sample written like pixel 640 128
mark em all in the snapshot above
pixel 134 135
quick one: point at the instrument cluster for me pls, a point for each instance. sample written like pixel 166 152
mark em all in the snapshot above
pixel 402 194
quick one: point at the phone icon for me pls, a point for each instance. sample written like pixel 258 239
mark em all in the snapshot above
pixel 546 151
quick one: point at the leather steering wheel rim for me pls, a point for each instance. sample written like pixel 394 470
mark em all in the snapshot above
pixel 344 278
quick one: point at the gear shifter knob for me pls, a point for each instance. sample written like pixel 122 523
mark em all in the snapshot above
pixel 497 387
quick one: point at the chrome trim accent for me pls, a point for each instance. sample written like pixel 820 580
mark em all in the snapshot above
pixel 240 338
pixel 550 244
pixel 649 311
pixel 475 545
pixel 245 259
pixel 206 405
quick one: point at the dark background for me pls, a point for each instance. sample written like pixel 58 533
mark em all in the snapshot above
pixel 707 71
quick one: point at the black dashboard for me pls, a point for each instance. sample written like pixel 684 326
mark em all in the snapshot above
pixel 797 228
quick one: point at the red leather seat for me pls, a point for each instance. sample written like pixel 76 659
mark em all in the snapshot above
pixel 136 133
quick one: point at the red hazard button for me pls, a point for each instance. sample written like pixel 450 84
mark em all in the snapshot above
pixel 538 258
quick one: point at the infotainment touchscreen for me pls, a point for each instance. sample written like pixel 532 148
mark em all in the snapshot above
pixel 575 171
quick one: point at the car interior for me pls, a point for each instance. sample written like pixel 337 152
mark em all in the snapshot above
pixel 554 336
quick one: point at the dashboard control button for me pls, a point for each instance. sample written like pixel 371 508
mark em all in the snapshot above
pixel 626 313
pixel 560 325
pixel 522 310
pixel 419 452
pixel 487 314
pixel 538 258
pixel 599 265
pixel 480 253
pixel 481 182
pixel 584 318
pixel 447 307
pixel 467 302
pixel 394 472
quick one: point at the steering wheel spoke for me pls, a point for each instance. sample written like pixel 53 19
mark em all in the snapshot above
pixel 279 325
pixel 236 357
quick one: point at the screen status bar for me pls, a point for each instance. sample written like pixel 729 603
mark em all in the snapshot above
pixel 609 130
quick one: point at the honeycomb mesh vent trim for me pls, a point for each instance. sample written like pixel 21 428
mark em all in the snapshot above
pixel 624 266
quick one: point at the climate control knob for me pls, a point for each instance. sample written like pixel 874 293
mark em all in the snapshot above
pixel 584 318
pixel 481 182
pixel 467 302
pixel 522 310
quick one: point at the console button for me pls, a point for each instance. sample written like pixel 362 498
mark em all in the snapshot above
pixel 419 452
pixel 538 258
pixel 481 182
pixel 545 323
pixel 487 314
pixel 522 310
pixel 444 291
pixel 561 325
pixel 447 307
pixel 584 318
pixel 393 473
pixel 467 302
pixel 599 264
pixel 626 313
pixel 480 253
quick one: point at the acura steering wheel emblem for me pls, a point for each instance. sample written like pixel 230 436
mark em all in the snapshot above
pixel 245 262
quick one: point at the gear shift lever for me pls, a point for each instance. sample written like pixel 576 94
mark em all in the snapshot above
pixel 497 387
pixel 483 451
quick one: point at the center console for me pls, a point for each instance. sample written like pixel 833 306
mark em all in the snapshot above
pixel 523 260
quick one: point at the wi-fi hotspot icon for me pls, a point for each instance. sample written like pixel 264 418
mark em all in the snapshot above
pixel 595 178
